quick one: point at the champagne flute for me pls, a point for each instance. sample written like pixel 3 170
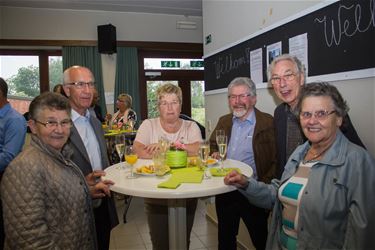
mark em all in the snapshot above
pixel 221 141
pixel 120 147
pixel 219 132
pixel 131 158
pixel 204 152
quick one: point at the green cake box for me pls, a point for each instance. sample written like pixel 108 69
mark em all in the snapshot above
pixel 176 158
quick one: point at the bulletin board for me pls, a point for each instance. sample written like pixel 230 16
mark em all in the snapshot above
pixel 340 38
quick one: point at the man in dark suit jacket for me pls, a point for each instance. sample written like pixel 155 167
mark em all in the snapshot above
pixel 87 139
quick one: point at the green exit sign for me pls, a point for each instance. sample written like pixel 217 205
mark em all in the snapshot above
pixel 170 64
pixel 196 64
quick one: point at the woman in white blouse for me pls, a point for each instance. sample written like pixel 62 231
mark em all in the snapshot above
pixel 168 126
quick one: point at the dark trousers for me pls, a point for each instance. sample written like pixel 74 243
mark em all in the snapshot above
pixel 232 206
pixel 102 225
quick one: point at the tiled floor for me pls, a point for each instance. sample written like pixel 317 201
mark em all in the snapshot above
pixel 134 235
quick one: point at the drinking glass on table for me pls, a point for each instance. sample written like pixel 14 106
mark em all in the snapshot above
pixel 120 148
pixel 222 141
pixel 130 124
pixel 204 152
pixel 158 159
pixel 131 158
pixel 163 144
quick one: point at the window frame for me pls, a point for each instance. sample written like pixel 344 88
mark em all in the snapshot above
pixel 43 62
pixel 182 76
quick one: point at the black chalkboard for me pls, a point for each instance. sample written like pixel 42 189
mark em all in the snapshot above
pixel 341 38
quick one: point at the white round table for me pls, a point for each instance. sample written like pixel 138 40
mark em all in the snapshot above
pixel 146 186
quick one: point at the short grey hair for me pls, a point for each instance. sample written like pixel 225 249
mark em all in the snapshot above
pixel 324 89
pixel 300 68
pixel 48 100
pixel 243 81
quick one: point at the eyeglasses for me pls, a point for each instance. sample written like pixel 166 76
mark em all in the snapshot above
pixel 81 85
pixel 67 123
pixel 234 97
pixel 319 114
pixel 165 104
pixel 287 77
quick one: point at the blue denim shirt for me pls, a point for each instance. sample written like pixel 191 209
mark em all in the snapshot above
pixel 337 206
pixel 240 146
pixel 12 134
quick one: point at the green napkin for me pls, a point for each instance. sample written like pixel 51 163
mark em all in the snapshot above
pixel 222 172
pixel 183 175
pixel 171 183
pixel 188 175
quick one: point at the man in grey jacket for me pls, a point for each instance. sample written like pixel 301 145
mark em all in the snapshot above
pixel 87 140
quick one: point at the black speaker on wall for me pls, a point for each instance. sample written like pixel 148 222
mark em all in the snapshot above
pixel 107 39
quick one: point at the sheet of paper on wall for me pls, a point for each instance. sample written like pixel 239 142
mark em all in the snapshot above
pixel 273 50
pixel 256 68
pixel 298 47
pixel 109 98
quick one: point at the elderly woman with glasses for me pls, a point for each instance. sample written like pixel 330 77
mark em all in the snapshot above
pixel 287 75
pixel 124 113
pixel 172 128
pixel 325 196
pixel 46 198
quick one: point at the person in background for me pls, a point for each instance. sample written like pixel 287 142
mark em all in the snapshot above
pixel 96 107
pixel 324 198
pixel 59 89
pixel 168 126
pixel 47 202
pixel 12 138
pixel 251 140
pixel 89 145
pixel 287 75
pixel 124 112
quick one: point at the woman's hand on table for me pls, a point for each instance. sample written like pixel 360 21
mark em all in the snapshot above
pixel 236 179
pixel 151 148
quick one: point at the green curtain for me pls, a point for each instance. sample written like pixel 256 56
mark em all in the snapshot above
pixel 126 80
pixel 87 56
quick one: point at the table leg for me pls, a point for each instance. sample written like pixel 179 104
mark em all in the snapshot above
pixel 177 224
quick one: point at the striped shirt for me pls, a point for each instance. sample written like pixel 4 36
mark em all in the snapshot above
pixel 290 194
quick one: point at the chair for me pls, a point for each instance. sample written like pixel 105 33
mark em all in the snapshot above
pixel 201 127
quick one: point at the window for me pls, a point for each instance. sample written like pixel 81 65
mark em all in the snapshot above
pixel 184 72
pixel 28 73
pixel 173 64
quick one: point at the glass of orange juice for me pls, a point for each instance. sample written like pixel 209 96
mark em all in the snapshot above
pixel 131 158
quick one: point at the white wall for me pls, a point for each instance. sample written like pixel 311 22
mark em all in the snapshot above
pixel 48 24
pixel 243 18
pixel 27 23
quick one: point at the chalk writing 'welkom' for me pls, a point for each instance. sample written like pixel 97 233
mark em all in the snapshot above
pixel 347 27
pixel 225 64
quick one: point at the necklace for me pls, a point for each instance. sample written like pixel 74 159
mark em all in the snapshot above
pixel 315 156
